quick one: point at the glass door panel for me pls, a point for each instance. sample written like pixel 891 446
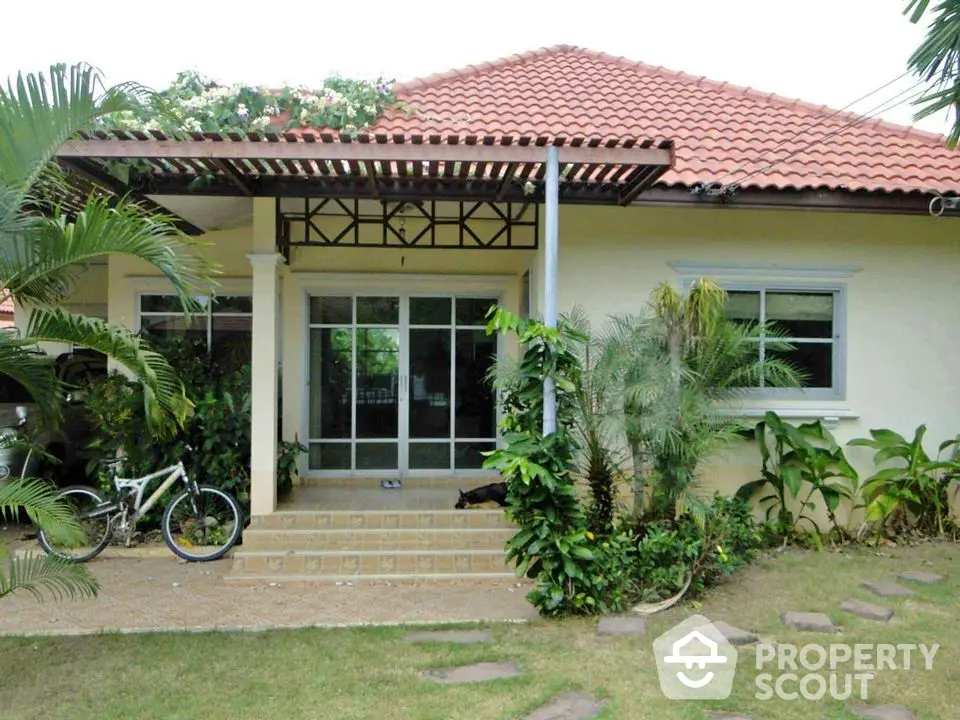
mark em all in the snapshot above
pixel 429 386
pixel 377 398
pixel 476 407
pixel 331 397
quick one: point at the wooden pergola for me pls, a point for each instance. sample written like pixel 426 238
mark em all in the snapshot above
pixel 488 179
pixel 403 167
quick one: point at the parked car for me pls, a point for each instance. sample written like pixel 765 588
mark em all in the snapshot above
pixel 65 443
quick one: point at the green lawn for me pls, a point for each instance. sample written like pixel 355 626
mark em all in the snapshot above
pixel 371 673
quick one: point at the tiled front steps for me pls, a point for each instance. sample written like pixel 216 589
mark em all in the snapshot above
pixel 373 539
pixel 380 520
pixel 368 565
pixel 304 546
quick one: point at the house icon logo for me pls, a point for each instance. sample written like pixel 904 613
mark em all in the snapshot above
pixel 695 661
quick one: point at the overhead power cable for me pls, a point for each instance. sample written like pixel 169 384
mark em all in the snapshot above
pixel 860 119
pixel 826 118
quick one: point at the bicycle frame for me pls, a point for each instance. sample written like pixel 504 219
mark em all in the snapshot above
pixel 141 508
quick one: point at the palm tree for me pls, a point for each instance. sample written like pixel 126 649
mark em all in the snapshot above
pixel 937 61
pixel 677 369
pixel 44 251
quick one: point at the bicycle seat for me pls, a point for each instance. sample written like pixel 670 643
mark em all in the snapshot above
pixel 110 461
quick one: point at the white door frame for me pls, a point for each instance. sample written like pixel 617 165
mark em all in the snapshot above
pixel 404 287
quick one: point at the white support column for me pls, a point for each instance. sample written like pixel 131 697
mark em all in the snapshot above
pixel 263 392
pixel 551 257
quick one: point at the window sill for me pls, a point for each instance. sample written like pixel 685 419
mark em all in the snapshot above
pixel 830 414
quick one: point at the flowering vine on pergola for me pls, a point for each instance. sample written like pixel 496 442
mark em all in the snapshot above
pixel 196 103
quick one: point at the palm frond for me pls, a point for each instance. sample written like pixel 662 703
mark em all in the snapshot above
pixel 39 499
pixel 165 400
pixel 43 266
pixel 39 112
pixel 937 62
pixel 40 574
pixel 35 373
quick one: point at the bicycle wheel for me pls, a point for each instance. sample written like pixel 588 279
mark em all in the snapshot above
pixel 202 526
pixel 93 515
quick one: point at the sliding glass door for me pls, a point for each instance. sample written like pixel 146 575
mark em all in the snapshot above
pixel 399 384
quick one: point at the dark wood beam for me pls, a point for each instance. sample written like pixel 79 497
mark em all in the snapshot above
pixel 247 149
pixel 645 177
pixel 505 182
pixel 98 177
pixel 372 174
pixel 230 174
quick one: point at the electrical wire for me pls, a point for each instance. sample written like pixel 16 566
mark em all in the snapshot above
pixel 869 115
pixel 821 121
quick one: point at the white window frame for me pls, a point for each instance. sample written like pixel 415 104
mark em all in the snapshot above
pixel 838 389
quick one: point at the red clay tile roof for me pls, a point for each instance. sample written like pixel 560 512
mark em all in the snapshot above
pixel 6 307
pixel 722 132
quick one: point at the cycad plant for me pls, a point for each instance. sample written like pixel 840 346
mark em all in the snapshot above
pixel 677 369
pixel 45 250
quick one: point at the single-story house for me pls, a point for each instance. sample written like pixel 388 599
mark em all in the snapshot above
pixel 363 266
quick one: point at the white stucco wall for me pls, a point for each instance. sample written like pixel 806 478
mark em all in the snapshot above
pixel 901 300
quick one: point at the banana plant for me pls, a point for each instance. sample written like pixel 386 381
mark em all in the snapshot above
pixel 806 461
pixel 915 491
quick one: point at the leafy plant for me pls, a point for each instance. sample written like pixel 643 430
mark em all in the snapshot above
pixel 288 457
pixel 914 493
pixel 551 545
pixel 805 459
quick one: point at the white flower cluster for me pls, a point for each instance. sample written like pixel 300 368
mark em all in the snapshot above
pixel 193 112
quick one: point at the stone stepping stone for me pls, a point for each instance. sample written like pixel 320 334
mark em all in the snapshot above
pixel 621 625
pixel 727 715
pixel 457 637
pixel 478 672
pixel 569 706
pixel 867 610
pixel 734 635
pixel 884 712
pixel 885 588
pixel 809 621
pixel 921 576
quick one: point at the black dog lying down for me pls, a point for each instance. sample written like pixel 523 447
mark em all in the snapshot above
pixel 493 493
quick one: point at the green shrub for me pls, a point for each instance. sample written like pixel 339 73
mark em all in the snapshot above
pixel 670 552
pixel 218 430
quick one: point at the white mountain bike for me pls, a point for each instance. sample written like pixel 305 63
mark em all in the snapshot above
pixel 201 522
